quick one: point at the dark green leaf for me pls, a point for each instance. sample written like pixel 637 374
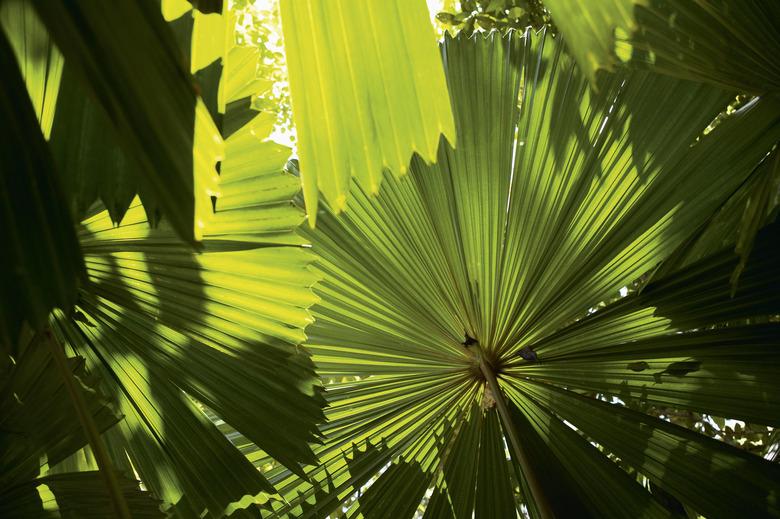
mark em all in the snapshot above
pixel 155 115
pixel 725 42
pixel 39 426
pixel 703 467
pixel 41 262
pixel 396 492
pixel 75 495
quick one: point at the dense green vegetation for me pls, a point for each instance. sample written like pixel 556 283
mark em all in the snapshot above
pixel 528 270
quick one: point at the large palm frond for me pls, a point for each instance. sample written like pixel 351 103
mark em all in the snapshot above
pixel 724 42
pixel 454 323
pixel 161 323
pixel 169 332
pixel 367 90
pixel 40 429
pixel 39 270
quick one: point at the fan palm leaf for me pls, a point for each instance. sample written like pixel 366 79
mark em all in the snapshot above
pixel 39 429
pixel 170 332
pixel 160 122
pixel 364 98
pixel 461 308
pixel 222 326
pixel 39 270
pixel 728 43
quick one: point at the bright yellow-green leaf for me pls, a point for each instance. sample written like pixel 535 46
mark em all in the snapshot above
pixel 39 60
pixel 209 39
pixel 367 89
pixel 493 261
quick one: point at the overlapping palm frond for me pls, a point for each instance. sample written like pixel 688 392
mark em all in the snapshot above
pixel 367 89
pixel 168 332
pixel 161 324
pixel 39 429
pixel 731 43
pixel 158 120
pixel 471 363
pixel 458 330
pixel 39 270
pixel 150 130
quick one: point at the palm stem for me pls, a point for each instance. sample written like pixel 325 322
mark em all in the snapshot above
pixel 539 496
pixel 118 502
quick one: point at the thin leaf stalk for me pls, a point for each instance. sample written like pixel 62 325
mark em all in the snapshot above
pixel 118 502
pixel 537 491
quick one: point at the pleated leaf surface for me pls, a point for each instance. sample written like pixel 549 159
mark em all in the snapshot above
pixel 367 89
pixel 732 43
pixel 556 196
pixel 41 263
pixel 177 336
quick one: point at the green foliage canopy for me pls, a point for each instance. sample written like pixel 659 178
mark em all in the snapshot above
pixel 456 314
pixel 465 287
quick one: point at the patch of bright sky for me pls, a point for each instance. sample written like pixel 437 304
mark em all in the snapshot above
pixel 262 12
pixel 434 7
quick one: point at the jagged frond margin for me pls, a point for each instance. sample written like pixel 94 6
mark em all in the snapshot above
pixel 546 208
pixel 731 43
pixel 172 332
pixel 364 98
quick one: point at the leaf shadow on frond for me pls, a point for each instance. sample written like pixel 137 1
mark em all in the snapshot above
pixel 554 199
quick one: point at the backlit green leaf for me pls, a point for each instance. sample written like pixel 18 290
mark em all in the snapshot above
pixel 156 117
pixel 41 263
pixel 546 208
pixel 732 43
pixel 367 91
